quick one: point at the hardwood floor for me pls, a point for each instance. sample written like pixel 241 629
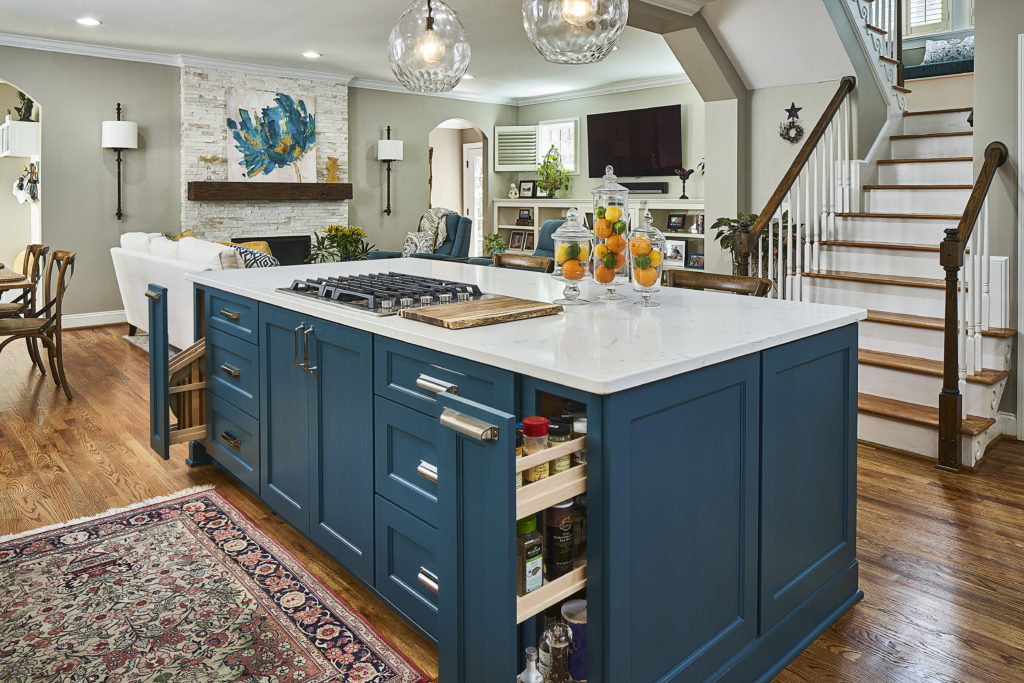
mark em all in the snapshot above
pixel 942 555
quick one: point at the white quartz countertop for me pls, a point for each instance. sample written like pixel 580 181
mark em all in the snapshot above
pixel 603 347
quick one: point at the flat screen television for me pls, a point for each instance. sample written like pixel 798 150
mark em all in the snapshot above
pixel 638 143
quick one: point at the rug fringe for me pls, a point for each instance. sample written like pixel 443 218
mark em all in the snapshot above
pixel 111 511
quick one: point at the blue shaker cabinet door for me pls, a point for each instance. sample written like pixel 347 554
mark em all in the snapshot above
pixel 159 393
pixel 476 527
pixel 680 488
pixel 341 424
pixel 808 470
pixel 284 397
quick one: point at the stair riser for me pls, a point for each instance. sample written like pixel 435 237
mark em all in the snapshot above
pixel 881 297
pixel 936 123
pixel 882 261
pixel 979 399
pixel 918 439
pixel 950 202
pixel 924 343
pixel 892 230
pixel 930 148
pixel 931 173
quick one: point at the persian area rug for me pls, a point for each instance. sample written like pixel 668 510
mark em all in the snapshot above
pixel 184 588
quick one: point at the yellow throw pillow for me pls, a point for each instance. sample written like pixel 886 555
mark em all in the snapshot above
pixel 258 246
pixel 187 233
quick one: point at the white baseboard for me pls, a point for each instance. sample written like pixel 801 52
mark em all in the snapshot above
pixel 94 319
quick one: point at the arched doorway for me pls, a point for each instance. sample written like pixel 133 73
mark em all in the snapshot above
pixel 20 215
pixel 457 174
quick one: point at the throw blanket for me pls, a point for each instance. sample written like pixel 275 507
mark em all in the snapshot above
pixel 433 231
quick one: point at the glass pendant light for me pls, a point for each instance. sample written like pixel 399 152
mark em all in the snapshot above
pixel 574 31
pixel 428 49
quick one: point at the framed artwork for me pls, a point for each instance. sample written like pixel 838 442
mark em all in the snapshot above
pixel 676 222
pixel 540 193
pixel 529 244
pixel 526 189
pixel 695 261
pixel 271 137
pixel 525 215
pixel 675 251
pixel 516 241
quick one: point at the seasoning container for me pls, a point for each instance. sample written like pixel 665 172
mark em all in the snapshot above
pixel 558 552
pixel 574 612
pixel 558 638
pixel 535 439
pixel 519 454
pixel 579 428
pixel 579 530
pixel 560 432
pixel 530 673
pixel 529 556
pixel 576 408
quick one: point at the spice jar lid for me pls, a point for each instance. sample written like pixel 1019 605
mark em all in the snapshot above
pixel 559 429
pixel 562 418
pixel 535 426
pixel 579 425
pixel 526 525
pixel 563 504
pixel 575 407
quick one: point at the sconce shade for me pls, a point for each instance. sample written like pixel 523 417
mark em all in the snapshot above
pixel 389 150
pixel 120 135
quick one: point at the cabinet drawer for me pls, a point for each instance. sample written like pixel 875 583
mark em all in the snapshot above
pixel 406 556
pixel 404 445
pixel 232 314
pixel 398 366
pixel 232 371
pixel 234 440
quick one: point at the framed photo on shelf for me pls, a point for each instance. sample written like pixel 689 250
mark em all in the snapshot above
pixel 699 224
pixel 526 188
pixel 695 261
pixel 529 243
pixel 676 222
pixel 675 252
pixel 540 193
pixel 515 242
pixel 525 215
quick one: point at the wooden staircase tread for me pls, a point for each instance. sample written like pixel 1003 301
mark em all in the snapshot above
pixel 900 88
pixel 925 160
pixel 876 29
pixel 928 112
pixel 915 413
pixel 924 366
pixel 921 136
pixel 889 60
pixel 895 246
pixel 904 280
pixel 918 187
pixel 928 323
pixel 910 216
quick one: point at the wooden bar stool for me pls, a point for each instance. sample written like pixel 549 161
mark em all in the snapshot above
pixel 738 284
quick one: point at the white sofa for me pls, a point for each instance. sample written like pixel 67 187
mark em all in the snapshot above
pixel 145 258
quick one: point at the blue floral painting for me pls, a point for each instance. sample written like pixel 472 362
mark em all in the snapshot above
pixel 271 137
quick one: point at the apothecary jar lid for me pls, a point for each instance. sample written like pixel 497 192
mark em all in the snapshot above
pixel 571 228
pixel 610 184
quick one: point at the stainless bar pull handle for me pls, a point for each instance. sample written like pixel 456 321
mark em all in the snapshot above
pixel 295 334
pixel 427 471
pixel 469 426
pixel 427 579
pixel 230 315
pixel 436 386
pixel 155 296
pixel 234 372
pixel 311 369
pixel 230 440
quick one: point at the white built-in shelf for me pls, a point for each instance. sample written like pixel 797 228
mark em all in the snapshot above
pixel 19 139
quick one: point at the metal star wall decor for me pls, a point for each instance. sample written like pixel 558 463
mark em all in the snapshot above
pixel 794 111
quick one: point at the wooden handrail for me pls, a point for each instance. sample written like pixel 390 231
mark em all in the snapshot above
pixel 746 239
pixel 951 257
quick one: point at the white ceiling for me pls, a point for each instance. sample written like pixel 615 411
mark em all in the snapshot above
pixel 351 35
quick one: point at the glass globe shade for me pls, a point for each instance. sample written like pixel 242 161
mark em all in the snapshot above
pixel 574 31
pixel 428 59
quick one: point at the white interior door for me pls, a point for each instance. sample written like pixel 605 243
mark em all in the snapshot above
pixel 473 193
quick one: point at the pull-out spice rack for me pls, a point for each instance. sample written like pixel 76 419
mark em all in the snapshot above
pixel 539 495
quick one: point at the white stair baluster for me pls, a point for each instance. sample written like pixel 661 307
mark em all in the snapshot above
pixel 814 216
pixel 986 269
pixel 771 251
pixel 962 333
pixel 975 291
pixel 847 136
pixel 967 289
pixel 832 155
pixel 798 249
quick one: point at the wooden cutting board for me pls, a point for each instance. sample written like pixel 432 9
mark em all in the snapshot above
pixel 499 309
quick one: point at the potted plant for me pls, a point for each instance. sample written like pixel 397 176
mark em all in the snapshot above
pixel 726 229
pixel 493 244
pixel 553 176
pixel 340 243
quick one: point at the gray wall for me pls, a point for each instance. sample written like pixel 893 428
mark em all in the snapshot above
pixel 80 192
pixel 411 118
pixel 15 218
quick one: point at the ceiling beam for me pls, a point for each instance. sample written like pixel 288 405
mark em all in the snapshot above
pixel 687 7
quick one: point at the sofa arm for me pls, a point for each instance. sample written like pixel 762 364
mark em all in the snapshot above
pixel 480 262
pixel 381 254
pixel 439 257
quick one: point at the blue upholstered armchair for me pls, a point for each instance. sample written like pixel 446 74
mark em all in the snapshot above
pixel 545 245
pixel 455 245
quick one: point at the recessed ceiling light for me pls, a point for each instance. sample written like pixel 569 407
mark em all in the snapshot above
pixel 311 54
pixel 467 77
pixel 89 21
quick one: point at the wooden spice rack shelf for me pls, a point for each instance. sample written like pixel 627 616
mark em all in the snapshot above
pixel 538 495
pixel 551 592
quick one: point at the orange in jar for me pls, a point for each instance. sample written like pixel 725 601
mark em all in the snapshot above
pixel 572 270
pixel 639 245
pixel 603 228
pixel 646 277
pixel 604 274
pixel 616 244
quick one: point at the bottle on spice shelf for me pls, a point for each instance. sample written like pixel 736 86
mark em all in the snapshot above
pixel 575 408
pixel 579 530
pixel 558 551
pixel 535 439
pixel 579 428
pixel 531 674
pixel 529 556
pixel 550 615
pixel 519 454
pixel 558 638
pixel 574 613
pixel 560 432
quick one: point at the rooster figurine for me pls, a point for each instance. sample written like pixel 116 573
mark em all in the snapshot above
pixel 684 175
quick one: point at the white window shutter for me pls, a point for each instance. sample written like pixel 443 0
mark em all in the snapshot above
pixel 515 148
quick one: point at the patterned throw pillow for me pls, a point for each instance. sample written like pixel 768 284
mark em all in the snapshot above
pixel 252 258
pixel 952 50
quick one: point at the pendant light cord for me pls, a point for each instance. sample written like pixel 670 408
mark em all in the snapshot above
pixel 430 17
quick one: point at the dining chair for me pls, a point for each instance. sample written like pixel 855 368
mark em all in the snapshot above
pixel 32 262
pixel 44 324
pixel 738 284
pixel 524 262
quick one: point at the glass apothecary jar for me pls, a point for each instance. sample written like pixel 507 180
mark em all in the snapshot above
pixel 611 223
pixel 646 256
pixel 574 244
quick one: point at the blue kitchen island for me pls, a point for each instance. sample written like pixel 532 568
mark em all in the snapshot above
pixel 720 466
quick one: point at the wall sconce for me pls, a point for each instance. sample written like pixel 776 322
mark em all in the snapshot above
pixel 387 151
pixel 119 135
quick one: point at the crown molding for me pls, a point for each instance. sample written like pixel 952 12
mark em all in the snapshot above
pixel 392 86
pixel 281 71
pixel 610 89
pixel 687 7
pixel 87 49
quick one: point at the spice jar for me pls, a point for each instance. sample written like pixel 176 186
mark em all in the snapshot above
pixel 560 432
pixel 579 530
pixel 558 638
pixel 579 428
pixel 519 454
pixel 611 221
pixel 573 244
pixel 535 439
pixel 529 556
pixel 558 532
pixel 646 253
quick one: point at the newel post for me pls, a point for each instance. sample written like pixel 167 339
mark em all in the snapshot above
pixel 951 257
pixel 743 249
